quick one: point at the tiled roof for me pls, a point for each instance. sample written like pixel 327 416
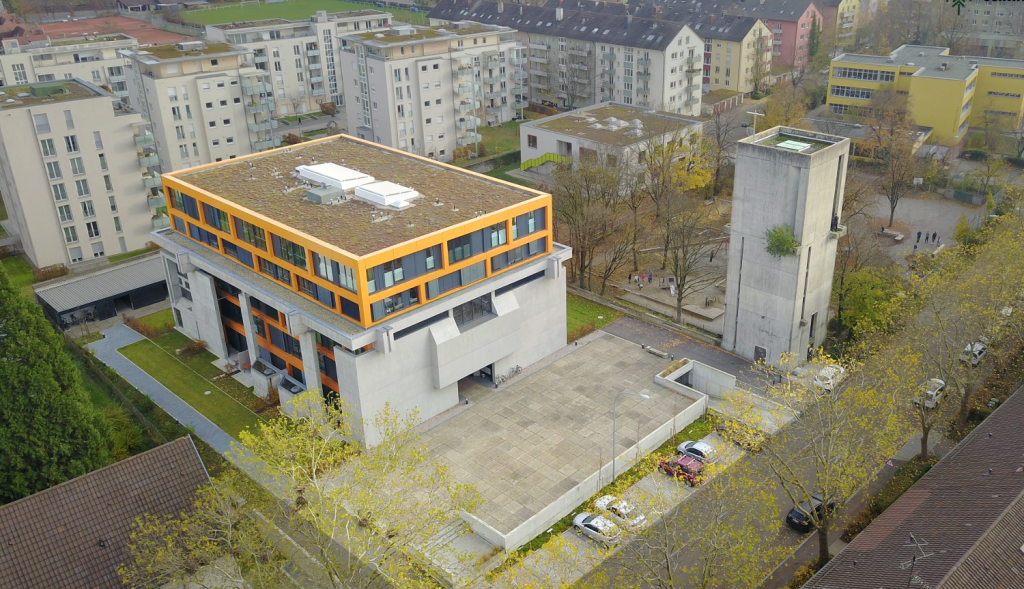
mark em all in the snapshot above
pixel 724 27
pixel 613 28
pixel 76 534
pixel 966 518
pixel 689 10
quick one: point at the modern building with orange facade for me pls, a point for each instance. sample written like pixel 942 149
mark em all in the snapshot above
pixel 371 274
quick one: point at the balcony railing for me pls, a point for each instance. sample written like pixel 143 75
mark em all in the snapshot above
pixel 463 72
pixel 609 71
pixel 144 139
pixel 492 63
pixel 115 79
pixel 264 126
pixel 520 104
pixel 493 110
pixel 147 161
pixel 609 57
pixel 261 59
pixel 540 46
pixel 490 95
pixel 155 202
pixel 493 79
pixel 643 77
pixel 468 123
pixel 538 59
pixel 467 89
pixel 469 139
pixel 608 85
pixel 316 79
pixel 257 88
pixel 120 93
pixel 315 66
pixel 517 60
pixel 643 62
pixel 518 75
pixel 541 73
pixel 151 182
pixel 265 106
pixel 267 144
pixel 312 52
pixel 161 221
pixel 468 105
pixel 691 101
pixel 318 92
pixel 579 52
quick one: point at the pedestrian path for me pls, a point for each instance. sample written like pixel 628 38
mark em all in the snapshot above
pixel 119 336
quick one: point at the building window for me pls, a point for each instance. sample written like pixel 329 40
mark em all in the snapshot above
pixel 472 310
pixel 203 236
pixel 334 272
pixel 850 92
pixel 240 254
pixel 77 166
pixel 64 212
pixel 217 218
pixel 518 254
pixel 103 162
pixel 290 252
pixel 276 272
pixel 314 291
pixel 185 203
pixel 88 210
pixel 117 224
pixel 531 141
pixel 113 203
pixel 251 234
pixel 70 235
pixel 53 170
pixel 851 73
pixel 83 187
pixel 71 143
pixel 93 228
pixel 531 222
pixel 48 148
pixel 459 249
pixel 395 303
pixel 59 192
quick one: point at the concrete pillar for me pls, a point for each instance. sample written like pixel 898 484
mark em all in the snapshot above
pixel 207 313
pixel 310 365
pixel 250 331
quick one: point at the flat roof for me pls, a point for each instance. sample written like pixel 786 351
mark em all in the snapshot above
pixel 73 90
pixel 793 140
pixel 267 22
pixel 162 52
pixel 142 31
pixel 420 34
pixel 354 225
pixel 77 291
pixel 852 129
pixel 580 123
pixel 928 61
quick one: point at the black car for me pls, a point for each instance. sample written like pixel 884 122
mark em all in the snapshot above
pixel 797 517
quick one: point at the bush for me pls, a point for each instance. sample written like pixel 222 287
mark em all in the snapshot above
pixel 905 477
pixel 291 139
pixel 856 525
pixel 49 272
pixel 328 108
pixel 192 349
pixel 1014 161
pixel 146 330
pixel 978 155
pixel 802 574
pixel 781 241
pixel 582 330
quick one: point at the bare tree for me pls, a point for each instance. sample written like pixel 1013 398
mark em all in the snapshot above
pixel 296 100
pixel 760 60
pixel 717 131
pixel 690 244
pixel 891 129
pixel 951 29
pixel 585 195
pixel 571 72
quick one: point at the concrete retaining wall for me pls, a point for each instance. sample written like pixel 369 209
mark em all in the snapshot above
pixel 587 488
pixel 645 317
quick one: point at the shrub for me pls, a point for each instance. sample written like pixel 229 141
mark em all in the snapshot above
pixel 49 272
pixel 582 330
pixel 291 139
pixel 192 349
pixel 978 155
pixel 856 525
pixel 802 574
pixel 781 241
pixel 146 330
pixel 328 108
pixel 1014 161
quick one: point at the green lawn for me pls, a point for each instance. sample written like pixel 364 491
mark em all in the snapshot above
pixel 190 386
pixel 21 275
pixel 502 174
pixel 3 210
pixel 292 10
pixel 580 311
pixel 127 255
pixel 158 320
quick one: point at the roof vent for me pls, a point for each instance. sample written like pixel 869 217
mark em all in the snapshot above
pixel 190 45
pixel 387 194
pixel 974 62
pixel 333 175
pixel 910 63
pixel 890 60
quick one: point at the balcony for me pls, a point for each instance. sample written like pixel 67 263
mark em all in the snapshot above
pixel 155 202
pixel 149 160
pixel 318 92
pixel 144 139
pixel 517 61
pixel 609 71
pixel 267 144
pixel 264 126
pixel 312 52
pixel 520 104
pixel 152 182
pixel 518 75
pixel 316 79
pixel 493 79
pixel 315 66
pixel 777 42
pixel 463 72
pixel 691 101
pixel 540 46
pixel 491 63
pixel 609 57
pixel 643 62
pixel 257 88
pixel 468 123
pixel 493 110
pixel 608 85
pixel 261 59
pixel 777 31
pixel 490 95
pixel 116 79
pixel 467 89
pixel 643 77
pixel 468 106
pixel 538 59
pixel 265 106
pixel 161 221
pixel 469 139
pixel 580 52
pixel 120 93
pixel 540 73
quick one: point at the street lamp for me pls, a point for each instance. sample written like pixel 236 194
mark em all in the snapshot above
pixel 754 126
pixel 614 403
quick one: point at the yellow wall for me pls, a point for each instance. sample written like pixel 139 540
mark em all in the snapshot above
pixel 986 83
pixel 847 6
pixel 361 263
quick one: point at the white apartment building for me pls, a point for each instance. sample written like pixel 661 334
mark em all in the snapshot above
pixel 72 175
pixel 302 58
pixel 426 90
pixel 583 55
pixel 207 102
pixel 92 58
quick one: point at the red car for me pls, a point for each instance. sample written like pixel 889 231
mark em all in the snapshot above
pixel 683 467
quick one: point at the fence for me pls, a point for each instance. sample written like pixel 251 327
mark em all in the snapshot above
pixel 978 217
pixel 547 157
pixel 646 317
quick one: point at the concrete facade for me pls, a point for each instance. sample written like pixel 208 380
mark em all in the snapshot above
pixel 93 59
pixel 777 306
pixel 427 90
pixel 70 174
pixel 302 58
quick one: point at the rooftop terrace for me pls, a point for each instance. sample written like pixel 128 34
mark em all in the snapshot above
pixel 19 96
pixel 580 123
pixel 350 225
pixel 269 22
pixel 172 52
pixel 387 37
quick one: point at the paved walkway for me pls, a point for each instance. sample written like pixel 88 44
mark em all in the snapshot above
pixel 119 336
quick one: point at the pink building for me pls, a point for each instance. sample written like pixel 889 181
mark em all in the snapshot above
pixel 788 20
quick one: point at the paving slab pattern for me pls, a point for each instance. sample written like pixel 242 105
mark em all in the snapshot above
pixel 540 437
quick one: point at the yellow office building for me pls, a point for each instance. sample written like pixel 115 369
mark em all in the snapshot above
pixel 948 93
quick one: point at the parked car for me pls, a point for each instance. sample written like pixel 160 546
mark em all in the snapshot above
pixel 799 517
pixel 548 103
pixel 414 9
pixel 686 468
pixel 597 528
pixel 974 352
pixel 933 393
pixel 829 377
pixel 623 514
pixel 699 450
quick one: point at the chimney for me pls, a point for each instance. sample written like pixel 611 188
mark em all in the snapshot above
pixel 558 11
pixel 520 10
pixel 501 7
pixel 629 20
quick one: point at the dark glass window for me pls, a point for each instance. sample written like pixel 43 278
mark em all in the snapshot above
pixel 315 291
pixel 259 326
pixel 459 249
pixel 276 272
pixel 185 204
pixel 229 310
pixel 264 308
pixel 203 236
pixel 289 252
pixel 240 254
pixel 518 254
pixel 217 218
pixel 472 310
pixel 395 303
pixel 327 367
pixel 284 342
pixel 332 271
pixel 349 308
pixel 531 222
pixel 252 234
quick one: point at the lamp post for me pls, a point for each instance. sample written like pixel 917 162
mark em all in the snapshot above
pixel 614 404
pixel 754 125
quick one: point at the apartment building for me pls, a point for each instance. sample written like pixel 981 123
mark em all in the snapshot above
pixel 207 102
pixel 790 23
pixel 841 16
pixel 948 93
pixel 596 52
pixel 427 90
pixel 301 57
pixel 995 27
pixel 72 174
pixel 92 58
pixel 368 273
pixel 737 49
pixel 611 132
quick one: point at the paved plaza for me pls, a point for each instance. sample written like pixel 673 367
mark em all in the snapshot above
pixel 532 441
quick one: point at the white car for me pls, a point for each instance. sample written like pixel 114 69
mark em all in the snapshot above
pixel 622 513
pixel 974 352
pixel 597 527
pixel 829 377
pixel 699 450
pixel 933 393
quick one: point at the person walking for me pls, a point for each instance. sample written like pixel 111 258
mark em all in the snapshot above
pixel 630 279
pixel 935 237
pixel 918 237
pixel 937 240
pixel 915 248
pixel 650 277
pixel 641 286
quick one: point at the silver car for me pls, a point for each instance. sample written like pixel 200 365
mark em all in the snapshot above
pixel 829 377
pixel 622 513
pixel 933 393
pixel 699 450
pixel 974 352
pixel 597 528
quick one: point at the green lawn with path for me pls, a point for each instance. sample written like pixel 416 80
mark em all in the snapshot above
pixel 161 320
pixel 219 407
pixel 579 312
pixel 291 10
